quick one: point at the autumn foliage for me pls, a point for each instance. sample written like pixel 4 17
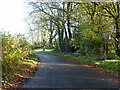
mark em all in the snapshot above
pixel 16 58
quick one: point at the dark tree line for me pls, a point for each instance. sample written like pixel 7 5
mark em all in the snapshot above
pixel 89 28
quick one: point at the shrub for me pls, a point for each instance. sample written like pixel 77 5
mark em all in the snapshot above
pixel 14 51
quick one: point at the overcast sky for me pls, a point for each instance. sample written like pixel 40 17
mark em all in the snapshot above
pixel 12 16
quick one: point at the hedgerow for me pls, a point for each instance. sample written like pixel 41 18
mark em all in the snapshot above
pixel 16 56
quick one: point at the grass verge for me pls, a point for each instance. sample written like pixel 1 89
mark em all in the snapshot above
pixel 19 72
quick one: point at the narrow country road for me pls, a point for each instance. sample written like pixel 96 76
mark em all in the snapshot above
pixel 56 72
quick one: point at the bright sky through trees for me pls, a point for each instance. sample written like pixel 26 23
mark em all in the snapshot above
pixel 12 16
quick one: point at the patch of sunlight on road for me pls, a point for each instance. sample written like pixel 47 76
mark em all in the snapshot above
pixel 61 64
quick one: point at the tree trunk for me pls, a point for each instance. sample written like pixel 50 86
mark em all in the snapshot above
pixel 50 42
pixel 68 49
pixel 68 20
pixel 117 40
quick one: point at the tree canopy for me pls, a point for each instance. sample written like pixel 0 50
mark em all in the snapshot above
pixel 90 28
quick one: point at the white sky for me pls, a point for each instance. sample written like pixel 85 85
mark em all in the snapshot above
pixel 12 14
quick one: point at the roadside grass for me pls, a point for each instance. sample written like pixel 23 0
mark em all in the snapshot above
pixel 16 73
pixel 109 65
pixel 41 49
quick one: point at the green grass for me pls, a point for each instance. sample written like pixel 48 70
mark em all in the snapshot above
pixel 109 65
pixel 41 49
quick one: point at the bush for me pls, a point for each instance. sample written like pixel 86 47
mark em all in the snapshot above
pixel 14 51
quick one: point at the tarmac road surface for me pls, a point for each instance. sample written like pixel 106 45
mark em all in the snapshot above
pixel 56 72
